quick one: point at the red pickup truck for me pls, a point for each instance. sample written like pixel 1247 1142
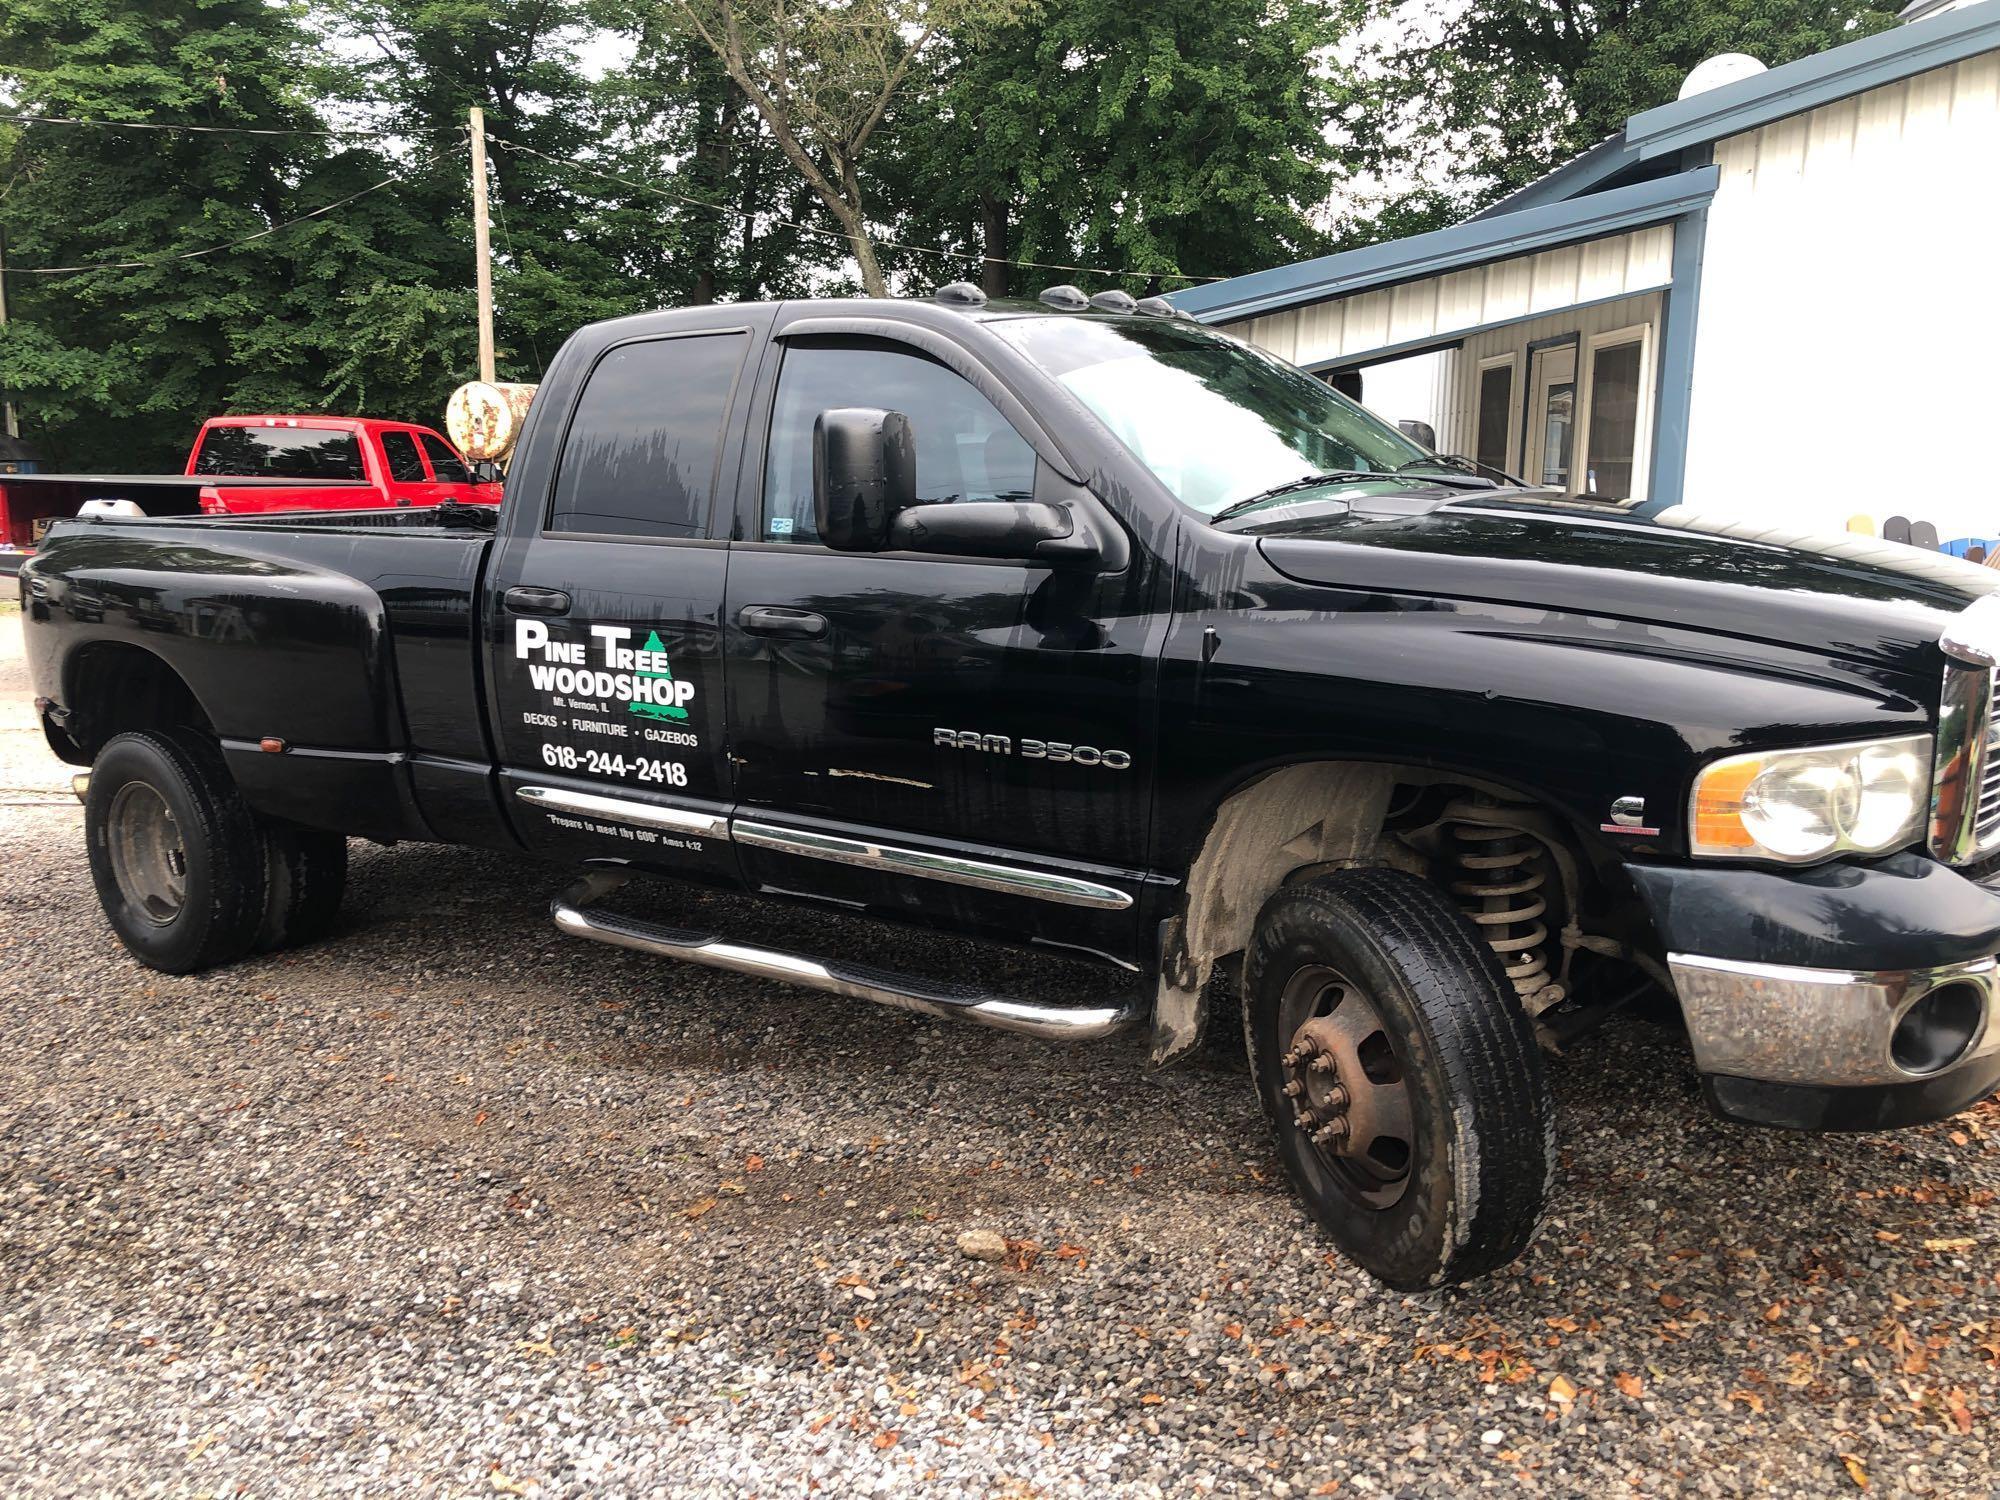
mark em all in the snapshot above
pixel 242 465
pixel 400 464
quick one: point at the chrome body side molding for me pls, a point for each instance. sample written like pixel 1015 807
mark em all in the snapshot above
pixel 1010 879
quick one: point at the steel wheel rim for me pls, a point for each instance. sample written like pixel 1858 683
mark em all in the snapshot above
pixel 148 857
pixel 1345 1086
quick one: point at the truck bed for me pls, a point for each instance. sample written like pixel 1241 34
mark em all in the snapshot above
pixel 364 621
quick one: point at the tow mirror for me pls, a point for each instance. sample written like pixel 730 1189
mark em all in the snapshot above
pixel 864 474
pixel 1030 529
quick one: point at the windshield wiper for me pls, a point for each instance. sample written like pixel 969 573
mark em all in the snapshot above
pixel 1303 482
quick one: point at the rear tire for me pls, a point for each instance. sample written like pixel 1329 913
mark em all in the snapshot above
pixel 1400 1075
pixel 175 852
pixel 305 876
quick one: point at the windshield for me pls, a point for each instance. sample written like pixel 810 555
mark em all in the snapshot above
pixel 1216 421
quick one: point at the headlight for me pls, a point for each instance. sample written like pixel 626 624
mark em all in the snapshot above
pixel 1801 805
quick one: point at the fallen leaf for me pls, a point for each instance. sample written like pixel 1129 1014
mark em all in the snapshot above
pixel 503 1485
pixel 884 1439
pixel 1749 1398
pixel 1956 1242
pixel 1854 1470
pixel 202 1444
pixel 1630 1385
pixel 1670 1302
pixel 1775 1312
pixel 753 1164
pixel 1562 1389
pixel 1151 1399
pixel 696 1210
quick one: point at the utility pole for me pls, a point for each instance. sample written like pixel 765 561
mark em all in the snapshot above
pixel 481 251
pixel 8 422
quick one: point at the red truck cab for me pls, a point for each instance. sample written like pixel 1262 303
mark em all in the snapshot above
pixel 378 464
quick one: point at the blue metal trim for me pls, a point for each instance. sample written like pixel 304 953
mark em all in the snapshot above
pixel 1451 249
pixel 1888 57
pixel 1572 179
pixel 1674 393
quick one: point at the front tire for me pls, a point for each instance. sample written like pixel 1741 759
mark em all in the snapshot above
pixel 1400 1075
pixel 175 852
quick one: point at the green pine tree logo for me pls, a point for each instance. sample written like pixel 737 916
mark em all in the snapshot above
pixel 658 648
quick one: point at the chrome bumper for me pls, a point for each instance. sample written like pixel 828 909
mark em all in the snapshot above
pixel 1828 1027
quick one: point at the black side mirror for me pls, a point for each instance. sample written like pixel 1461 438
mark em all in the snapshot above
pixel 1030 529
pixel 1421 432
pixel 864 473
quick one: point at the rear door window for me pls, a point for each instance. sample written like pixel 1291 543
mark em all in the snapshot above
pixel 643 449
pixel 447 465
pixel 280 453
pixel 406 465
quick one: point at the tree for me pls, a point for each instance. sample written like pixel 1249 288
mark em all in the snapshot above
pixel 822 76
pixel 113 362
pixel 1181 138
pixel 568 241
pixel 1482 100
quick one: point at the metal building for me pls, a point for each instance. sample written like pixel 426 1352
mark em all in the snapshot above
pixel 1775 297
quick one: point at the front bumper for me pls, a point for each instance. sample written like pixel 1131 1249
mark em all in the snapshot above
pixel 1814 1049
pixel 1793 983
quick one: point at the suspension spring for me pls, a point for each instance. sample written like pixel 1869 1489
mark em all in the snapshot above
pixel 1499 889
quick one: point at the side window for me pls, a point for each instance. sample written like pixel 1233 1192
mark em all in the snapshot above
pixel 399 451
pixel 447 465
pixel 965 449
pixel 642 450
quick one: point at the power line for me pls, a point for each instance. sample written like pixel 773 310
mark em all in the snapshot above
pixel 180 255
pixel 223 129
pixel 948 255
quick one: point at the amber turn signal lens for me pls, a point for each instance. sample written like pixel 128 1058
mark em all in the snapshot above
pixel 1718 805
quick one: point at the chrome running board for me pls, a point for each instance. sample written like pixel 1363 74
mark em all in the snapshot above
pixel 928 997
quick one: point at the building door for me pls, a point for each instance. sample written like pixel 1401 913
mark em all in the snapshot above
pixel 1552 418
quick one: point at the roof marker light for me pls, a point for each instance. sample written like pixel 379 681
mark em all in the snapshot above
pixel 1064 298
pixel 960 294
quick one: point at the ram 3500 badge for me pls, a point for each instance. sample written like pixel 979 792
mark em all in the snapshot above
pixel 1091 630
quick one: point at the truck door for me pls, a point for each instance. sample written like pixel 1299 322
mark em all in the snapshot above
pixel 964 740
pixel 605 644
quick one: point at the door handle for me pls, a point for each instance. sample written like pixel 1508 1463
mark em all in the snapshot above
pixel 525 599
pixel 772 619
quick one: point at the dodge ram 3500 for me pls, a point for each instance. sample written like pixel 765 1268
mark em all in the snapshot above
pixel 1080 626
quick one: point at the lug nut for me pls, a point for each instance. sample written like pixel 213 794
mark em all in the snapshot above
pixel 1336 1097
pixel 1322 1064
pixel 1294 1089
pixel 1327 1134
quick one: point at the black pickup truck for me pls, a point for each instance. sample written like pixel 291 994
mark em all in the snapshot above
pixel 1071 624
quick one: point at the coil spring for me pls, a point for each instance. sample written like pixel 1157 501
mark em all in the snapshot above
pixel 1500 894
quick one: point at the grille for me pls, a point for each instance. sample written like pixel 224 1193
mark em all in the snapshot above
pixel 1986 823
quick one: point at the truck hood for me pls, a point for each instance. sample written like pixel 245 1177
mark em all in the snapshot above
pixel 1849 596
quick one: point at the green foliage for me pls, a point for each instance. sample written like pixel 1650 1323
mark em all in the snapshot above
pixel 747 149
pixel 1184 136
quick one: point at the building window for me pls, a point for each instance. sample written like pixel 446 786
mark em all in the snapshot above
pixel 1616 371
pixel 1492 442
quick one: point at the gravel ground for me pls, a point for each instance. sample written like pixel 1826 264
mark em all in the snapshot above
pixel 450 1205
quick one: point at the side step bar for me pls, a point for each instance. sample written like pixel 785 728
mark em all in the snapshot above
pixel 927 997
